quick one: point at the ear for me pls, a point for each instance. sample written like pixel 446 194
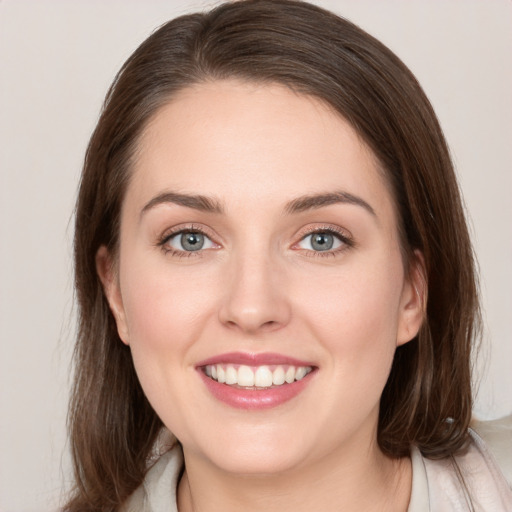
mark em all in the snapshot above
pixel 413 303
pixel 106 269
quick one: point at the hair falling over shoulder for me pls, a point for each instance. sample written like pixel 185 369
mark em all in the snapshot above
pixel 427 400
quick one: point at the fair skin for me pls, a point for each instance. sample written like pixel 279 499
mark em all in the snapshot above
pixel 339 300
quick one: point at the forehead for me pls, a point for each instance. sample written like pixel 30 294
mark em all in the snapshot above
pixel 238 140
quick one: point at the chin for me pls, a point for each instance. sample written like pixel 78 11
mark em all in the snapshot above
pixel 259 460
pixel 251 450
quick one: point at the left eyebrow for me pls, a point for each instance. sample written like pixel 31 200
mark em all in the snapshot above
pixel 196 202
pixel 312 202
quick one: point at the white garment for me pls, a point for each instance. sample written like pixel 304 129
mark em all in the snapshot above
pixel 486 469
pixel 437 484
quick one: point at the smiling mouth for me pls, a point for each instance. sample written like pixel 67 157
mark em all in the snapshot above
pixel 255 377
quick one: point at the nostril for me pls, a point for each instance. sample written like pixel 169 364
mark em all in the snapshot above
pixel 253 327
pixel 250 308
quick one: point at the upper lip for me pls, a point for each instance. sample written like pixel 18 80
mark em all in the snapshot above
pixel 249 359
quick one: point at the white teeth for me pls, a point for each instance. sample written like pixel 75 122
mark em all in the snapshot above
pixel 278 376
pixel 245 376
pixel 260 377
pixel 263 377
pixel 301 373
pixel 231 376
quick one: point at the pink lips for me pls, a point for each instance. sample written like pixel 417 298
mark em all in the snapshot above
pixel 253 359
pixel 253 398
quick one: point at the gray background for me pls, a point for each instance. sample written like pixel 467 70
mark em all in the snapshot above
pixel 57 59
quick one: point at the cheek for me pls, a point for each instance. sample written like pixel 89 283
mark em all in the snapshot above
pixel 166 312
pixel 164 309
pixel 355 314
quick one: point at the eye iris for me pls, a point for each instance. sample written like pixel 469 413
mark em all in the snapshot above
pixel 192 241
pixel 322 241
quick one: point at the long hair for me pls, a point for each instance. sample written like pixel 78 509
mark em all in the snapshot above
pixel 427 400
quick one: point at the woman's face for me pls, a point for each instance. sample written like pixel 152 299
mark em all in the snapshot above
pixel 259 245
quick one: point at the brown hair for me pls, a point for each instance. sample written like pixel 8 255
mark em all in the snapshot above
pixel 427 400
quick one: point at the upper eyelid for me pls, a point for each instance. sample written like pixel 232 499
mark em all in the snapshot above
pixel 184 228
pixel 324 228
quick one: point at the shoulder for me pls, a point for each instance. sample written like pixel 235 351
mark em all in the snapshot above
pixel 480 474
pixel 497 436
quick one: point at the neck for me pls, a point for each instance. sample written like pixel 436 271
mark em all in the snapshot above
pixel 350 482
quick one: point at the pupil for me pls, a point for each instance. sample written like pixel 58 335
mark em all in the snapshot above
pixel 192 241
pixel 322 242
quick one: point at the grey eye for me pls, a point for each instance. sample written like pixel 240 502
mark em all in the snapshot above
pixel 321 241
pixel 192 241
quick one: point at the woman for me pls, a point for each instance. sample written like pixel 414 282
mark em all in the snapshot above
pixel 272 263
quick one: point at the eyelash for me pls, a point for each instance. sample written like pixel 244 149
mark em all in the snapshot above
pixel 167 236
pixel 346 240
pixel 341 235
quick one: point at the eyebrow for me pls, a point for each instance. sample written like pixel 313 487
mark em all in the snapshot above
pixel 197 202
pixel 311 202
pixel 298 205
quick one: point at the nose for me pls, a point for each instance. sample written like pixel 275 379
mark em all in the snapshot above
pixel 255 299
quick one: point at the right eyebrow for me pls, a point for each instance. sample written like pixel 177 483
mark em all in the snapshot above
pixel 196 202
pixel 315 201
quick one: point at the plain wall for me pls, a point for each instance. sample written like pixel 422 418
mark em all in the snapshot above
pixel 57 59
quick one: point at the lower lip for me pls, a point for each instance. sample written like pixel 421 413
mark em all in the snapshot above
pixel 255 399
